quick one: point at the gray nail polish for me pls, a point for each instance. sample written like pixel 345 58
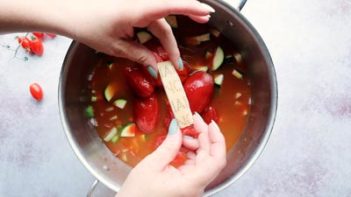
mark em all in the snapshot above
pixel 173 127
pixel 180 64
pixel 152 71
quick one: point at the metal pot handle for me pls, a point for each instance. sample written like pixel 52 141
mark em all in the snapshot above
pixel 94 187
pixel 238 4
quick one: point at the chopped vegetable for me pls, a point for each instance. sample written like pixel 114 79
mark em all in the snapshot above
pixel 115 139
pixel 143 37
pixel 109 109
pixel 238 95
pixel 120 103
pixel 218 58
pixel 237 74
pixel 201 68
pixel 172 21
pixel 238 57
pixel 215 32
pixel 110 134
pixel 89 111
pixel 196 40
pixel 114 117
pixel 128 130
pixel 245 112
pixel 109 92
pixel 110 65
pixel 218 79
pixel 93 99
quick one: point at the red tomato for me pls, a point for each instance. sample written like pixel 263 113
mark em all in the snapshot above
pixel 199 89
pixel 36 91
pixel 39 35
pixel 36 46
pixel 51 35
pixel 24 42
pixel 190 130
pixel 140 83
pixel 146 113
pixel 209 114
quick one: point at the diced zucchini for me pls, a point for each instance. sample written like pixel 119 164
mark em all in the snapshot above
pixel 110 65
pixel 218 79
pixel 238 95
pixel 128 130
pixel 218 58
pixel 109 92
pixel 201 68
pixel 89 111
pixel 196 40
pixel 114 117
pixel 93 99
pixel 120 103
pixel 143 37
pixel 110 134
pixel 238 57
pixel 215 32
pixel 115 139
pixel 172 21
pixel 237 74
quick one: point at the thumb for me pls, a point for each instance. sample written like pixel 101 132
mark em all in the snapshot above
pixel 137 53
pixel 168 150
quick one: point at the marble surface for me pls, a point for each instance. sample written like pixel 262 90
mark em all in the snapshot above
pixel 309 150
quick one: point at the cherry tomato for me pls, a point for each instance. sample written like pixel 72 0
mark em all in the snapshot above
pixel 209 114
pixel 24 42
pixel 199 89
pixel 36 91
pixel 139 81
pixel 36 46
pixel 39 35
pixel 51 35
pixel 146 113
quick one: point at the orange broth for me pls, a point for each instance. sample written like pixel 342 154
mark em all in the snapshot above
pixel 231 100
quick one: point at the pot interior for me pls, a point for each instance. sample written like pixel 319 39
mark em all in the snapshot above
pixel 93 153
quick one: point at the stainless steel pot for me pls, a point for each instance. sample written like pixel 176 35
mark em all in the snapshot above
pixel 95 156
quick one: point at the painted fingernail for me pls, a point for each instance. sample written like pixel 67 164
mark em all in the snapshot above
pixel 209 8
pixel 180 64
pixel 152 71
pixel 173 127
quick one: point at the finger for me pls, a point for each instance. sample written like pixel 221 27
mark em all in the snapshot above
pixel 202 128
pixel 217 141
pixel 135 52
pixel 161 8
pixel 161 29
pixel 190 142
pixel 200 19
pixel 168 150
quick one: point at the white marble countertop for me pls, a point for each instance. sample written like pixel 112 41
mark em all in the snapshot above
pixel 309 150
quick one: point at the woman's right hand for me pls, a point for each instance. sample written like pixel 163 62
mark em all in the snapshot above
pixel 154 176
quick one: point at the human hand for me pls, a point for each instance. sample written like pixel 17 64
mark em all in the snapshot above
pixel 108 26
pixel 154 176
